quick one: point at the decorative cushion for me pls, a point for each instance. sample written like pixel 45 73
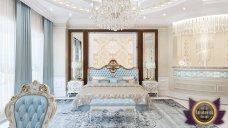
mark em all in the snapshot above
pixel 96 79
pixel 128 77
pixel 131 80
pixel 103 81
pixel 121 81
pixel 113 80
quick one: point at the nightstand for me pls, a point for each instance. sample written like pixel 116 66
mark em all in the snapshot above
pixel 151 86
pixel 74 86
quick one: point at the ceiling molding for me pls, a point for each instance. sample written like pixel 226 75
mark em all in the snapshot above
pixel 61 22
pixel 213 1
pixel 36 6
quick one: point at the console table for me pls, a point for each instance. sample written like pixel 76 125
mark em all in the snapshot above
pixel 213 80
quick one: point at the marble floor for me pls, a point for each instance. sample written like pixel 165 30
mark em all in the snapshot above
pixel 182 102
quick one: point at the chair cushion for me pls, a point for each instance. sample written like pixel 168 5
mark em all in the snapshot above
pixel 30 111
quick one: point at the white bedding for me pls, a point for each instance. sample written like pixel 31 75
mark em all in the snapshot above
pixel 130 91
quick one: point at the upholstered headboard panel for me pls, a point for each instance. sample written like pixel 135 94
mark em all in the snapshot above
pixel 113 70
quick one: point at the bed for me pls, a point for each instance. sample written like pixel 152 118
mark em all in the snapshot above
pixel 113 81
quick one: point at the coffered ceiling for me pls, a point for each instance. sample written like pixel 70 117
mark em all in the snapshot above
pixel 152 12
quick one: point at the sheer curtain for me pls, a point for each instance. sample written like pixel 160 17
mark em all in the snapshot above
pixel 7 52
pixel 37 35
pixel 48 54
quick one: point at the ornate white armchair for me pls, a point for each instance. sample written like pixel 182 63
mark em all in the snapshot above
pixel 32 107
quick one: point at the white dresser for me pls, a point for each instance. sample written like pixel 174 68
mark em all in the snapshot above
pixel 151 86
pixel 74 86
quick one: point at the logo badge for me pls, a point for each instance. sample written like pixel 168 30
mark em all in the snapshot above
pixel 204 113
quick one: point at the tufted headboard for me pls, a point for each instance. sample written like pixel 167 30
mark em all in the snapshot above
pixel 113 70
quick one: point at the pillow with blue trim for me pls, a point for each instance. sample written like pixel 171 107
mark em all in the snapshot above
pixel 113 80
pixel 103 81
pixel 96 79
pixel 121 81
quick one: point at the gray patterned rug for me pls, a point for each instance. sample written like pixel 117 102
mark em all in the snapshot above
pixel 166 113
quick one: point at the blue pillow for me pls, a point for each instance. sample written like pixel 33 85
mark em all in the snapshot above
pixel 122 81
pixel 113 80
pixel 103 81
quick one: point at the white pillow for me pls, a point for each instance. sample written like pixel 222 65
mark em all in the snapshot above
pixel 96 79
pixel 128 78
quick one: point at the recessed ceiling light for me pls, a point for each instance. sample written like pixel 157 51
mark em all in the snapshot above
pixel 144 17
pixel 183 8
pixel 164 14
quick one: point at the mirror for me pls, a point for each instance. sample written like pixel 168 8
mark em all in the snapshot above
pixel 76 55
pixel 149 56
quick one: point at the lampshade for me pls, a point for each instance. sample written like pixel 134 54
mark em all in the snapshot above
pixel 150 65
pixel 76 65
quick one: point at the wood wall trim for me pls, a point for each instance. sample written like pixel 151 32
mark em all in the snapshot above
pixel 86 50
pixel 156 54
pixel 140 55
pixel 85 55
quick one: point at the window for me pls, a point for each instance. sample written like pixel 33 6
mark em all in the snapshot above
pixel 7 52
pixel 37 38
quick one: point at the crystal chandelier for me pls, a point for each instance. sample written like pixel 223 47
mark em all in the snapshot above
pixel 115 14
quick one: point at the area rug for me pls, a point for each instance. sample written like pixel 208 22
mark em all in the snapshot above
pixel 166 113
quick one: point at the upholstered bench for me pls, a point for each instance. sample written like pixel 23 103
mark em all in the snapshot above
pixel 110 106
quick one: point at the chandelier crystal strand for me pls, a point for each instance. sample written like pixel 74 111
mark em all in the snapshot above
pixel 115 14
pixel 206 24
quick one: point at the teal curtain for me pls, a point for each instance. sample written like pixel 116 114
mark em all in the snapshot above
pixel 23 68
pixel 48 55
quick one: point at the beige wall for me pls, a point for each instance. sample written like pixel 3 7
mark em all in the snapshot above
pixel 59 39
pixel 163 53
pixel 59 44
